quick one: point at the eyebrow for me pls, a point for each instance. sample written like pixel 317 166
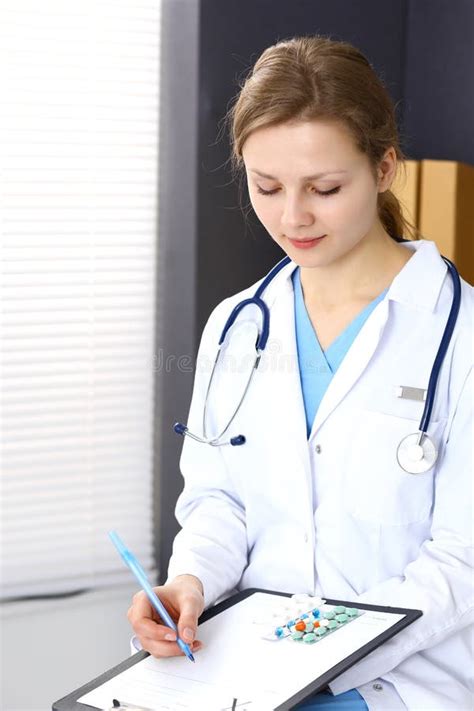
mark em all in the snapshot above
pixel 307 177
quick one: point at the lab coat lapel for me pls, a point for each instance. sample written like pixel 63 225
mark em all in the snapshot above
pixel 284 388
pixel 353 365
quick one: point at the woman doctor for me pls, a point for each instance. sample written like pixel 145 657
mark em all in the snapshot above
pixel 316 499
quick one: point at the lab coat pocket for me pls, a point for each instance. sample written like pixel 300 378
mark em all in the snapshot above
pixel 376 488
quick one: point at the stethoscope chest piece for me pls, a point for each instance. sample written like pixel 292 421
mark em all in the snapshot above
pixel 415 454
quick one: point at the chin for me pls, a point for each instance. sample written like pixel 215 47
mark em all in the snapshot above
pixel 312 263
pixel 309 258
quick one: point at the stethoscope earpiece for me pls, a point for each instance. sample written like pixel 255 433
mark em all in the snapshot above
pixel 179 428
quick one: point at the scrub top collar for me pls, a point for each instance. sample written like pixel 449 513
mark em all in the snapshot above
pixel 418 284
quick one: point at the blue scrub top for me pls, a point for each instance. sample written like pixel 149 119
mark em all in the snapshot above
pixel 325 701
pixel 316 366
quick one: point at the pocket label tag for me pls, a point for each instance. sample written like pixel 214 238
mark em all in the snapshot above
pixel 409 393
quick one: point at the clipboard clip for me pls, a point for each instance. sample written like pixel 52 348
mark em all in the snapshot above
pixel 125 706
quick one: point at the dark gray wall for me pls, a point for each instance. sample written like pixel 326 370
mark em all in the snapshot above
pixel 231 256
pixel 423 50
pixel 438 116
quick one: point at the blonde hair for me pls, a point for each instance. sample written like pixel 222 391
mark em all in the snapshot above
pixel 314 77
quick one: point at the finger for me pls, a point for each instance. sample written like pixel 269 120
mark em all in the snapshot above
pixel 160 648
pixel 196 645
pixel 167 649
pixel 187 623
pixel 148 628
pixel 141 610
pixel 141 607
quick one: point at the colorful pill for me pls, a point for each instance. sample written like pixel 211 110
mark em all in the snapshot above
pixel 323 623
pixel 329 615
pixel 320 631
pixel 297 636
pixel 304 616
pixel 279 632
pixel 309 638
pixel 316 613
pixel 316 623
pixel 309 627
pixel 300 626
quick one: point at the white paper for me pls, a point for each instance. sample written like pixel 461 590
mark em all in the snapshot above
pixel 236 663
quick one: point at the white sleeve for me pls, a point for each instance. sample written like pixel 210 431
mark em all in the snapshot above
pixel 212 544
pixel 440 581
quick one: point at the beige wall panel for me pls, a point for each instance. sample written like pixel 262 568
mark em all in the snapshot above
pixel 447 211
pixel 465 222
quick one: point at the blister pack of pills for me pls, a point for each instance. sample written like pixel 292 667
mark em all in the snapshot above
pixel 302 618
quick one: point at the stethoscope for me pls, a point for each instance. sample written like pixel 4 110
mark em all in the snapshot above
pixel 416 453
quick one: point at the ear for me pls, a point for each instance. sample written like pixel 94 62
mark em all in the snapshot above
pixel 386 170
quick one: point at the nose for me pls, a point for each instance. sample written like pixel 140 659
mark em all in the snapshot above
pixel 295 214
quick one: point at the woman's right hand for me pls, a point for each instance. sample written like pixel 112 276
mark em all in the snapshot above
pixel 183 598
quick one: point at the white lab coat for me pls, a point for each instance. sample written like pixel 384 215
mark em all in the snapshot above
pixel 335 515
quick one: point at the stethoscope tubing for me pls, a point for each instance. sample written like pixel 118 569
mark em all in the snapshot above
pixel 443 346
pixel 261 343
pixel 256 300
pixel 215 440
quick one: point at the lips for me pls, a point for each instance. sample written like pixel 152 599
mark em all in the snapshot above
pixel 305 239
pixel 306 242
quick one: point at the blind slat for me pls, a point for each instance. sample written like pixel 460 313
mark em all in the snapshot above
pixel 78 216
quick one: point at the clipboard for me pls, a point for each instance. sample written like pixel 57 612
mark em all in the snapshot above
pixel 408 616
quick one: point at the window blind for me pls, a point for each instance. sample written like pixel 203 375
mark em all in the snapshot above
pixel 78 217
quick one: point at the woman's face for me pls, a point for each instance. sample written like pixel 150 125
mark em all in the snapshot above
pixel 313 190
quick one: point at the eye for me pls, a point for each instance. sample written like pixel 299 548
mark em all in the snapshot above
pixel 266 192
pixel 323 193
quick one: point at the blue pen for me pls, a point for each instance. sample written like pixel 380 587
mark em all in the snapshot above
pixel 140 575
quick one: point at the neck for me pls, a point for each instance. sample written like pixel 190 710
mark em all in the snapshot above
pixel 358 276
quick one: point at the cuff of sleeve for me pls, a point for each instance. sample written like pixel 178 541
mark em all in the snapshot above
pixel 351 679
